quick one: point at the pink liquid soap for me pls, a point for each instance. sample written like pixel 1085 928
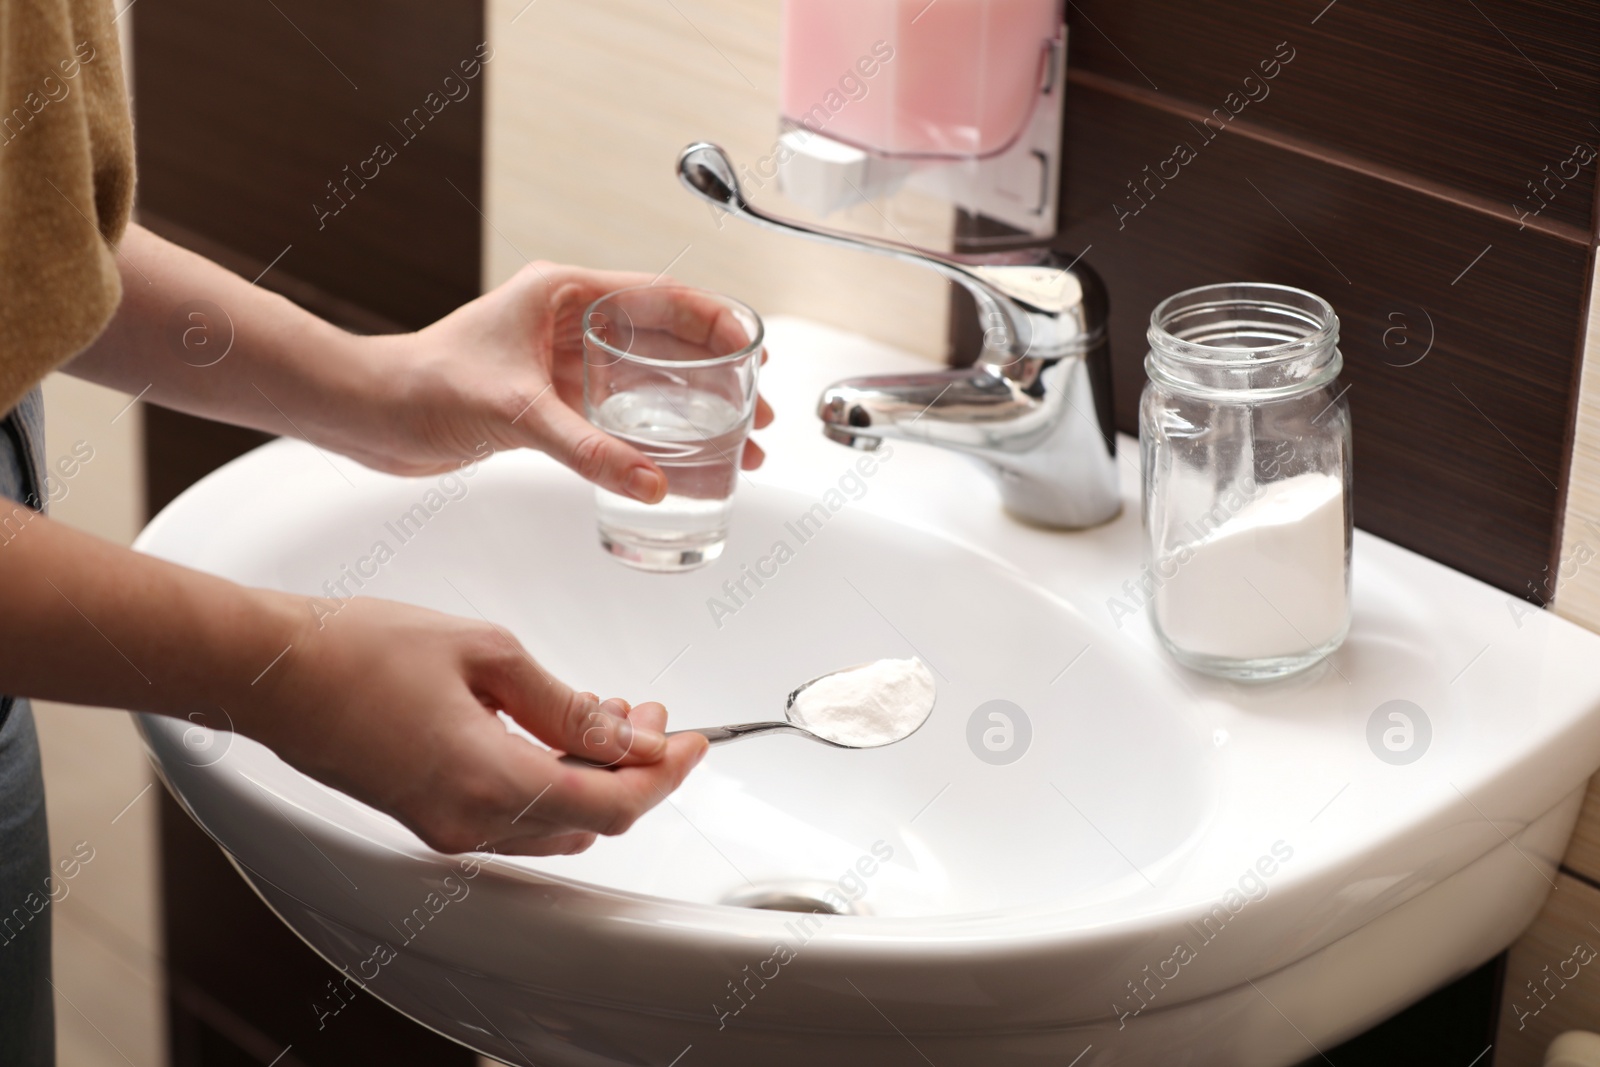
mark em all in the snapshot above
pixel 954 78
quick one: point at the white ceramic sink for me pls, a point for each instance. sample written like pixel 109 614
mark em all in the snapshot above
pixel 1021 905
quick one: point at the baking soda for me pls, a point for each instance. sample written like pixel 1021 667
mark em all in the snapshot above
pixel 1270 581
pixel 867 706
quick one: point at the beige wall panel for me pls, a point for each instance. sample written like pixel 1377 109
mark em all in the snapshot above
pixel 1572 916
pixel 590 102
pixel 1578 578
pixel 1565 991
pixel 1583 855
pixel 99 790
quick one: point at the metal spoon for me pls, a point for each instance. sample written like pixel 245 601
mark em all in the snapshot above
pixel 718 735
pixel 791 724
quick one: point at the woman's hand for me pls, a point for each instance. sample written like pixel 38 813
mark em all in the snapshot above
pixel 507 369
pixel 395 705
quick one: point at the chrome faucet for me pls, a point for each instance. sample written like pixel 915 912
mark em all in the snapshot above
pixel 1035 407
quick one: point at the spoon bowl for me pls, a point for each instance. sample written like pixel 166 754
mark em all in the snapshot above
pixel 792 723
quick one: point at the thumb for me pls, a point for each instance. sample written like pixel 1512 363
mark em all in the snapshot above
pixel 606 461
pixel 601 733
pixel 575 723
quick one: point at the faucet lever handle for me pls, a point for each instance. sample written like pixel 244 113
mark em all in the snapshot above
pixel 1031 308
pixel 706 171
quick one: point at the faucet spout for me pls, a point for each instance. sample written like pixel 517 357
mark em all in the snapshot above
pixel 1044 445
pixel 962 410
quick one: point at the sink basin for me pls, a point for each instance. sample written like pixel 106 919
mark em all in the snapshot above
pixel 1086 852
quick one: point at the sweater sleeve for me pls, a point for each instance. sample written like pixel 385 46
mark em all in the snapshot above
pixel 66 183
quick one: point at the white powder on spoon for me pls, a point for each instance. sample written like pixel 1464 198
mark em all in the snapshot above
pixel 867 706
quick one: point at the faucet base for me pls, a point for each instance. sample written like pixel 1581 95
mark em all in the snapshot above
pixel 1027 501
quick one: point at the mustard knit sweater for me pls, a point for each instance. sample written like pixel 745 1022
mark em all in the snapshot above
pixel 66 183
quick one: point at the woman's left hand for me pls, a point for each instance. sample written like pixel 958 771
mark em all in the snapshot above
pixel 506 369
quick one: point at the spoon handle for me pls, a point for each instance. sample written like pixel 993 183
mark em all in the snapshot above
pixel 718 735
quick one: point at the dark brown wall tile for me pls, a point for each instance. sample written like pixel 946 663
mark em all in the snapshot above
pixel 249 990
pixel 1458 456
pixel 246 111
pixel 1480 95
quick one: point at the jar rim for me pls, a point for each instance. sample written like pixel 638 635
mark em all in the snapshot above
pixel 1317 315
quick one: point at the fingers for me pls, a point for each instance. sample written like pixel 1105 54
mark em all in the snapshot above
pixel 576 723
pixel 651 715
pixel 656 318
pixel 649 342
pixel 754 455
pixel 728 334
pixel 656 303
pixel 649 724
pixel 610 801
pixel 573 805
pixel 580 285
pixel 606 735
pixel 690 316
pixel 503 794
pixel 594 454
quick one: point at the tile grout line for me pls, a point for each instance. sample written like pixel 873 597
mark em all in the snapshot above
pixel 1380 172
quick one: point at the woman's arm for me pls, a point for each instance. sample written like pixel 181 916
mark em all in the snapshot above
pixel 390 703
pixel 505 369
pixel 192 336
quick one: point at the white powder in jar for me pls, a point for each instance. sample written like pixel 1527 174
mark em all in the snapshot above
pixel 867 706
pixel 1269 581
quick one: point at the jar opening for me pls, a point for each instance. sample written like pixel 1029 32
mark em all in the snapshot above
pixel 1242 324
pixel 1243 340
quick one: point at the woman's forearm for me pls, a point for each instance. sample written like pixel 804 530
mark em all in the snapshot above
pixel 503 371
pixel 193 336
pixel 89 622
pixel 392 704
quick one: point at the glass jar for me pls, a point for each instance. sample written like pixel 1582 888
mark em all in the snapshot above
pixel 1245 437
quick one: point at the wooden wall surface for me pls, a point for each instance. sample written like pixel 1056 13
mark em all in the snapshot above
pixel 1571 918
pixel 590 105
pixel 1382 166
pixel 244 113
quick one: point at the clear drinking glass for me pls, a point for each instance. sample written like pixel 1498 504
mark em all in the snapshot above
pixel 672 371
pixel 1245 436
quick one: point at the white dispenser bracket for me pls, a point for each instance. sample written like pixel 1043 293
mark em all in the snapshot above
pixel 1018 186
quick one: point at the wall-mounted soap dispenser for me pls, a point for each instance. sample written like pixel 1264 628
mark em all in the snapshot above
pixel 958 100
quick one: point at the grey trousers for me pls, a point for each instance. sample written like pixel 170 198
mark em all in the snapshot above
pixel 27 1017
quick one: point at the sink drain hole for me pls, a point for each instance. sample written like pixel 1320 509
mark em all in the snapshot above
pixel 804 897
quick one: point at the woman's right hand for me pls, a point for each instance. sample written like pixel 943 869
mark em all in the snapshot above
pixel 395 705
